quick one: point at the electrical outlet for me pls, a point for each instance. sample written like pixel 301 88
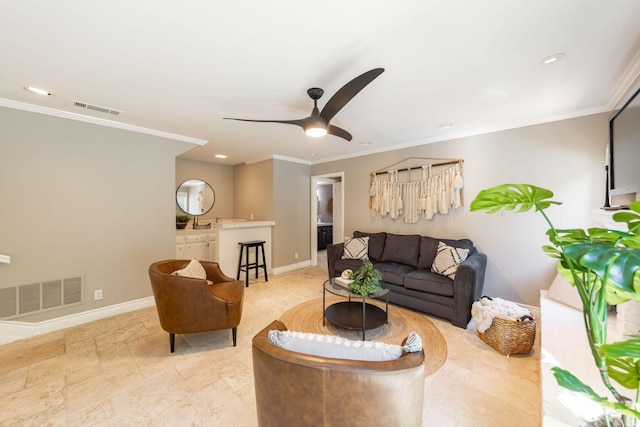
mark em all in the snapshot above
pixel 251 217
pixel 97 294
pixel 295 256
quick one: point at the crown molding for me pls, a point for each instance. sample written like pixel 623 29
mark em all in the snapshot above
pixel 627 85
pixel 97 121
pixel 291 159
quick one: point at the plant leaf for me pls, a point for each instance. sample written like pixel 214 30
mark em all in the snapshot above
pixel 629 348
pixel 522 197
pixel 621 263
pixel 623 361
pixel 567 380
pixel 631 218
pixel 624 372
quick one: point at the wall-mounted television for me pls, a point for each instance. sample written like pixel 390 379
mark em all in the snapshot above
pixel 624 148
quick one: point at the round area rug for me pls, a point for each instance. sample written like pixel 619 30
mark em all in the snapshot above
pixel 307 317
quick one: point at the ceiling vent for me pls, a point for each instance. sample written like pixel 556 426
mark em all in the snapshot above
pixel 97 108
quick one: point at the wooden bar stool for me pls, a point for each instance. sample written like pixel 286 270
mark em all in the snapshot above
pixel 247 266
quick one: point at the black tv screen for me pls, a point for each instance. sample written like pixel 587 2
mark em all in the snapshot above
pixel 624 148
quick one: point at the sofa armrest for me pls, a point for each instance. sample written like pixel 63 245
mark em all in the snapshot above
pixel 334 253
pixel 467 287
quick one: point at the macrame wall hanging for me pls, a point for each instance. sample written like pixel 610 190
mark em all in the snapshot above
pixel 396 194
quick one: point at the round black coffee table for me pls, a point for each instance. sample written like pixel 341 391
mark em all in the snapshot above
pixel 355 313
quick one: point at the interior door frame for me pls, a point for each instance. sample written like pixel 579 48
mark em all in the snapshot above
pixel 315 180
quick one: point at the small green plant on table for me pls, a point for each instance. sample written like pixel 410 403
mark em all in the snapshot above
pixel 365 280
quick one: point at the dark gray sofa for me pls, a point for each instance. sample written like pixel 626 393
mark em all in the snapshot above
pixel 405 263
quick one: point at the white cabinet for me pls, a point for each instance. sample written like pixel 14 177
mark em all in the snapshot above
pixel 180 247
pixel 198 245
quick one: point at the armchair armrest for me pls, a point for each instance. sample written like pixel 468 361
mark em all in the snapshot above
pixel 214 273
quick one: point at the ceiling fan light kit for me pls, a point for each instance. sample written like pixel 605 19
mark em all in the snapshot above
pixel 316 132
pixel 318 123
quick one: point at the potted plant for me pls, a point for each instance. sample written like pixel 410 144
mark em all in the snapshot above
pixel 365 280
pixel 603 266
pixel 181 221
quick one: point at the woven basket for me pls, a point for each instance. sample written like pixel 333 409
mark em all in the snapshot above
pixel 510 337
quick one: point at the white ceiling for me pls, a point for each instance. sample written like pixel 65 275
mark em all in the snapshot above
pixel 180 67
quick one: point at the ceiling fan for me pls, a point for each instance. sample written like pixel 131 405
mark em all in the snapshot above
pixel 317 124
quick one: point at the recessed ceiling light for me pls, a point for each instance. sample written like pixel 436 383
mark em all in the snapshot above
pixel 445 126
pixel 221 156
pixel 365 143
pixel 552 58
pixel 38 91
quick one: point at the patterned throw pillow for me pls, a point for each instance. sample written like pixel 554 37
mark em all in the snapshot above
pixel 447 260
pixel 194 269
pixel 356 248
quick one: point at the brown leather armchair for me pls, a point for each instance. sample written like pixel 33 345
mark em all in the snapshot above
pixel 303 390
pixel 187 305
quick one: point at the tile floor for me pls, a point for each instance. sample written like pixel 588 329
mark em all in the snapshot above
pixel 119 372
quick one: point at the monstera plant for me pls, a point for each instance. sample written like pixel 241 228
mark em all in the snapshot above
pixel 603 267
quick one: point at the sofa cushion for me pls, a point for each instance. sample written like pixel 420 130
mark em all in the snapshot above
pixel 376 243
pixel 356 248
pixel 341 348
pixel 429 247
pixel 403 249
pixel 447 260
pixel 425 281
pixel 393 272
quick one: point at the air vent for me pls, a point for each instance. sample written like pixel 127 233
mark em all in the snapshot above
pixel 36 297
pixel 92 107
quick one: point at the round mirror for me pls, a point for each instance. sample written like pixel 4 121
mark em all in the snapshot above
pixel 195 197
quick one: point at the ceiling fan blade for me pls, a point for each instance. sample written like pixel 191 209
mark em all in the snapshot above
pixel 347 92
pixel 288 122
pixel 335 130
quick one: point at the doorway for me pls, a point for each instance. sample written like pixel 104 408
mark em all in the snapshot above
pixel 327 209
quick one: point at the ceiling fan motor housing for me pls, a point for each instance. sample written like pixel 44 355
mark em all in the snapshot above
pixel 315 93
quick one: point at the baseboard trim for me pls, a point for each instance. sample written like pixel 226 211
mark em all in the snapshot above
pixel 14 330
pixel 291 267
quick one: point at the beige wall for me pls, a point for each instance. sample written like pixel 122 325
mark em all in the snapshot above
pixel 292 208
pixel 82 199
pixel 220 177
pixel 97 201
pixel 565 156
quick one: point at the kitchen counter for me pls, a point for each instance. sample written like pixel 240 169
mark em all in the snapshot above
pixel 229 234
pixel 243 224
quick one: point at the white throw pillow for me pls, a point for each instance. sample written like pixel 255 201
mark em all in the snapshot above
pixel 342 348
pixel 565 293
pixel 194 269
pixel 447 260
pixel 356 248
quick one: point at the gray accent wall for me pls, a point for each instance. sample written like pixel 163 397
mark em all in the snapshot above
pixel 82 199
pixel 253 191
pixel 277 190
pixel 565 156
pixel 292 208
